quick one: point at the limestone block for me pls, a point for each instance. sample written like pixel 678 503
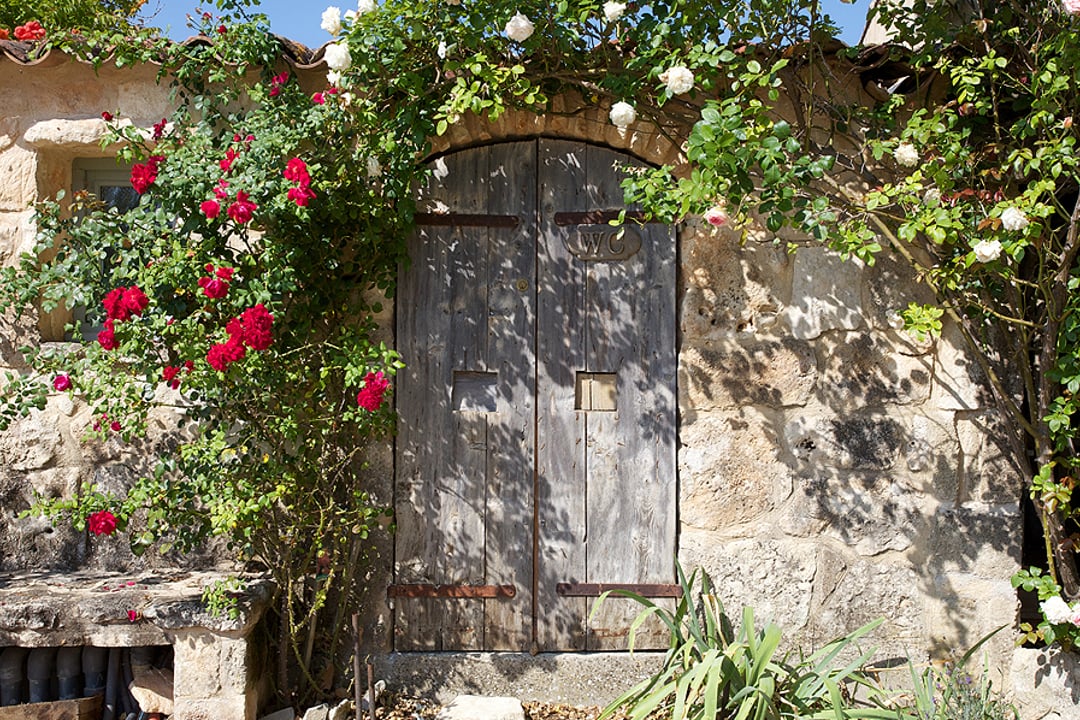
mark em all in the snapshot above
pixel 730 288
pixel 730 373
pixel 65 134
pixel 18 167
pixel 775 578
pixel 212 666
pixel 975 538
pixel 480 707
pixel 825 294
pixel 959 382
pixel 17 235
pixel 870 517
pixel 1045 681
pixel 729 469
pixel 962 610
pixel 144 101
pixel 864 370
pixel 16 332
pixel 868 589
pixel 56 482
pixel 236 707
pixel 891 285
pixel 31 443
pixel 855 442
pixel 988 473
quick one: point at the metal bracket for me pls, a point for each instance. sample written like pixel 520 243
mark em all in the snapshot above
pixel 420 590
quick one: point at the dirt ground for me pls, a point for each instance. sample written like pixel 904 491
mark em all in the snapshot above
pixel 406 708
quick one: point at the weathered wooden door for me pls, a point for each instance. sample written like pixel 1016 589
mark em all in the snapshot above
pixel 536 447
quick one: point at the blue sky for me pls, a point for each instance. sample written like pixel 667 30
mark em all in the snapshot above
pixel 299 19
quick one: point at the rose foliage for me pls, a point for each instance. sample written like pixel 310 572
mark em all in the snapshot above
pixel 274 215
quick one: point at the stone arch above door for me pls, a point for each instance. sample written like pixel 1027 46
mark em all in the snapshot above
pixel 536 450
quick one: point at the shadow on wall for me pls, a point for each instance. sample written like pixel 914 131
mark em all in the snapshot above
pixel 832 469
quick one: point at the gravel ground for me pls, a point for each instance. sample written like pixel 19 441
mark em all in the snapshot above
pixel 407 708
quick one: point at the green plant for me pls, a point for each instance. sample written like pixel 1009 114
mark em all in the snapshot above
pixel 950 692
pixel 716 669
pixel 222 597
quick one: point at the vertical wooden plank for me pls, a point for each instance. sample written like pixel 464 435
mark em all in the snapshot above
pixel 560 428
pixel 631 496
pixel 439 495
pixel 511 319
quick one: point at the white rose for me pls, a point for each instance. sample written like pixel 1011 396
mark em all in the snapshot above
pixel 932 197
pixel 334 78
pixel 613 10
pixel 365 6
pixel 678 79
pixel 350 15
pixel 331 20
pixel 1055 610
pixel 987 251
pixel 441 50
pixel 374 169
pixel 906 155
pixel 622 115
pixel 716 216
pixel 519 28
pixel 337 56
pixel 1013 219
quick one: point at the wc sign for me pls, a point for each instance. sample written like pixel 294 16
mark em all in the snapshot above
pixel 603 242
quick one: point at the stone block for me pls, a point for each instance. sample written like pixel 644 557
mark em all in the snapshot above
pixel 731 287
pixel 988 472
pixel 826 294
pixel 962 610
pixel 480 707
pixel 238 707
pixel 212 666
pixel 1045 681
pixel 18 167
pixel 9 131
pixel 871 517
pixel 17 235
pixel 773 577
pixel 975 538
pixel 30 443
pixel 730 374
pixel 891 286
pixel 959 383
pixel 865 590
pixel 730 471
pixel 864 370
pixel 66 134
pixel 852 442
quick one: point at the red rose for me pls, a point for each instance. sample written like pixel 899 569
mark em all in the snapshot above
pixel 242 209
pixel 220 356
pixel 210 208
pixel 169 373
pixel 107 338
pixel 30 31
pixel 318 98
pixel 135 300
pixel 102 522
pixel 115 426
pixel 296 171
pixel 255 324
pixel 159 129
pixel 107 116
pixel 213 287
pixel 143 175
pixel 61 383
pixel 227 163
pixel 220 191
pixel 301 195
pixel 371 395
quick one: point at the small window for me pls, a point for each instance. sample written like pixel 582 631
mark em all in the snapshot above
pixel 110 183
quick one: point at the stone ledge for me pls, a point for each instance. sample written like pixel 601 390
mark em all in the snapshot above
pixel 50 609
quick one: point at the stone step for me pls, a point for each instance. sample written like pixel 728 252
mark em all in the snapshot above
pixel 482 707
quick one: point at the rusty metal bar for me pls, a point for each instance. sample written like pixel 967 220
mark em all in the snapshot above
pixel 597 589
pixel 600 217
pixel 467 220
pixel 419 590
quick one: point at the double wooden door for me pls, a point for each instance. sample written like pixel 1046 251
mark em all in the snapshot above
pixel 535 457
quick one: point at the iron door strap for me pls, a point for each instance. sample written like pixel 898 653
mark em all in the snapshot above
pixel 598 589
pixel 422 590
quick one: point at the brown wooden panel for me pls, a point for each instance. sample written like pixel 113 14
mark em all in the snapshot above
pixel 560 427
pixel 510 328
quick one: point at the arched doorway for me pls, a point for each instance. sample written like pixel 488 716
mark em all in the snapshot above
pixel 535 459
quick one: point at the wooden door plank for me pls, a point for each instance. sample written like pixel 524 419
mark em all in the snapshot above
pixel 560 427
pixel 510 320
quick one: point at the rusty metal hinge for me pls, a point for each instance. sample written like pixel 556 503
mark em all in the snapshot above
pixel 599 217
pixel 597 589
pixel 421 590
pixel 466 220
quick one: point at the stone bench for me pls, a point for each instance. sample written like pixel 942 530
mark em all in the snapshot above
pixel 216 667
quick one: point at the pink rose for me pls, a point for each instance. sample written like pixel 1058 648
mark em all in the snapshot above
pixel 61 383
pixel 371 395
pixel 716 216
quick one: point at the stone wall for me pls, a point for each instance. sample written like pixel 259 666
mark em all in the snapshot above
pixel 831 468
